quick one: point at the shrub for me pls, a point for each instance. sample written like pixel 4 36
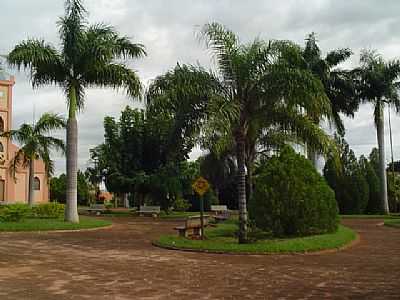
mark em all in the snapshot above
pixel 292 198
pixel 14 212
pixel 51 210
pixel 181 204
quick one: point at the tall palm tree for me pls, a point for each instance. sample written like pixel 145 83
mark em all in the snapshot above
pixel 338 83
pixel 87 58
pixel 378 84
pixel 36 143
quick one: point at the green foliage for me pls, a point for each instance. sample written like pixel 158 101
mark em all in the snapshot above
pixel 292 198
pixel 14 212
pixel 349 182
pixel 181 204
pixel 58 189
pixel 51 210
pixel 370 169
pixel 394 191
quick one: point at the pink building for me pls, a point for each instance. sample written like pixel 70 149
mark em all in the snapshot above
pixel 16 189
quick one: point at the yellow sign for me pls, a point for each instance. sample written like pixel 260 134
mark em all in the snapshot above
pixel 200 186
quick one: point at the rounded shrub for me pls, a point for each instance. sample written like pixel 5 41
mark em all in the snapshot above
pixel 291 198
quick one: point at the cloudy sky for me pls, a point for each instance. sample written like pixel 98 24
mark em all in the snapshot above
pixel 168 30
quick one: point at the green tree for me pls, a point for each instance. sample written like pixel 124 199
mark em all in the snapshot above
pixel 371 175
pixel 349 182
pixel 58 188
pixel 88 57
pixel 378 84
pixel 36 144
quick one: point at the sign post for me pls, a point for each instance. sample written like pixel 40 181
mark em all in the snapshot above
pixel 201 186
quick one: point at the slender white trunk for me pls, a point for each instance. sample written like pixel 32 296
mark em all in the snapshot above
pixel 380 130
pixel 31 192
pixel 71 209
pixel 126 200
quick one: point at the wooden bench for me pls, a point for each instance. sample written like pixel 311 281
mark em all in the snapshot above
pixel 149 210
pixel 97 209
pixel 221 212
pixel 192 226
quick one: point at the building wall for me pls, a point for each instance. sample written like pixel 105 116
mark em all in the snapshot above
pixel 16 188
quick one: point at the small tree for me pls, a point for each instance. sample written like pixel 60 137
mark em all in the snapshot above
pixel 36 144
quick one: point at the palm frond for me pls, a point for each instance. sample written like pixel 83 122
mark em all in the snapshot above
pixel 223 43
pixel 48 122
pixel 115 76
pixel 40 59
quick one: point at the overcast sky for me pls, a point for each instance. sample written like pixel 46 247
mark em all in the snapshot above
pixel 168 30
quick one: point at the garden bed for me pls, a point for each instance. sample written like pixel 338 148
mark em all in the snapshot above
pixel 37 224
pixel 221 239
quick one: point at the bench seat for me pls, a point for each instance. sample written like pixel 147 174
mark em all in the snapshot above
pixel 192 226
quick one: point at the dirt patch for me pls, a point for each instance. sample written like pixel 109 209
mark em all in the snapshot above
pixel 121 263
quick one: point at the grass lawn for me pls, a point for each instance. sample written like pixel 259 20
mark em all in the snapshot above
pixel 222 239
pixel 392 216
pixel 52 224
pixel 393 223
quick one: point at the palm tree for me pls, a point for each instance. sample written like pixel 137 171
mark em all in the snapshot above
pixel 378 84
pixel 87 58
pixel 338 83
pixel 257 85
pixel 36 144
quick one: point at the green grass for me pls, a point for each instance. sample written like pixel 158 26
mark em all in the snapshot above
pixel 52 224
pixel 222 239
pixel 392 216
pixel 393 223
pixel 178 214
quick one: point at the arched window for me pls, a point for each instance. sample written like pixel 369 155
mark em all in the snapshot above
pixel 1 125
pixel 36 184
pixel 1 147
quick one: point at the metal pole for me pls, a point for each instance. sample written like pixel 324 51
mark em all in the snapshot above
pixel 202 216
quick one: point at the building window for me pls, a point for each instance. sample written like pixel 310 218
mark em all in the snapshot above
pixel 1 147
pixel 1 125
pixel 36 184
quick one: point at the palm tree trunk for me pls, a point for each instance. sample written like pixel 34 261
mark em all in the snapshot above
pixel 249 181
pixel 31 192
pixel 241 186
pixel 71 209
pixel 380 130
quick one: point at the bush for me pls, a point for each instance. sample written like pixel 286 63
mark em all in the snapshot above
pixel 14 212
pixel 291 198
pixel 181 204
pixel 51 210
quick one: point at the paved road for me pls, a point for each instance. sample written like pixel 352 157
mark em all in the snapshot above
pixel 120 263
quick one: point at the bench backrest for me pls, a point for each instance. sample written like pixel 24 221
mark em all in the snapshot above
pixel 150 209
pixel 219 208
pixel 195 221
pixel 97 206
